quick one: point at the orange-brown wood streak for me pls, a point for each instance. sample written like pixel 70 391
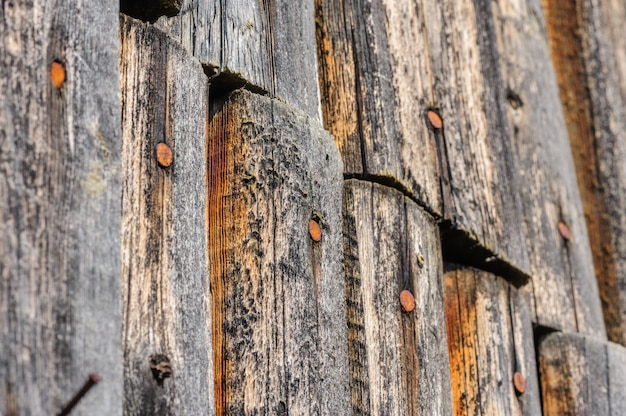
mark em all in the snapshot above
pixel 461 330
pixel 338 87
pixel 562 18
pixel 217 222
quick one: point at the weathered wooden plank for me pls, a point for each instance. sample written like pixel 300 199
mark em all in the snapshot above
pixel 590 63
pixel 278 295
pixel 59 207
pixel 564 287
pixel 164 257
pixel 376 95
pixel 490 338
pixel 581 375
pixel 256 44
pixel 398 359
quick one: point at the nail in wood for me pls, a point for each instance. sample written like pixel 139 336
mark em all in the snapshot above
pixel 91 381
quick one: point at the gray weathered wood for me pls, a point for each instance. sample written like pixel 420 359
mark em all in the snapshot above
pixel 589 56
pixel 164 257
pixel 490 337
pixel 564 288
pixel 581 375
pixel 59 207
pixel 383 64
pixel 280 342
pixel 398 360
pixel 267 46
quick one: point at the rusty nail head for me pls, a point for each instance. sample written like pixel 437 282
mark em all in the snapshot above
pixel 566 233
pixel 57 74
pixel 407 301
pixel 164 155
pixel 519 381
pixel 434 119
pixel 315 231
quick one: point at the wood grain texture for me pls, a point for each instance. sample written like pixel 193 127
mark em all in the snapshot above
pixel 590 62
pixel 59 207
pixel 582 375
pixel 280 343
pixel 164 257
pixel 383 65
pixel 266 45
pixel 490 337
pixel 398 360
pixel 564 288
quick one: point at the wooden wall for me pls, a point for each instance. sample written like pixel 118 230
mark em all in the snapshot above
pixel 313 207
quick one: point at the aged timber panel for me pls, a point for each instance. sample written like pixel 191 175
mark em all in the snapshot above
pixel 564 287
pixel 59 207
pixel 164 258
pixel 398 356
pixel 268 46
pixel 383 65
pixel 589 55
pixel 582 375
pixel 490 339
pixel 275 250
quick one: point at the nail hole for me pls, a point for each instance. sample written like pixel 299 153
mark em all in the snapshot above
pixel 160 367
pixel 514 100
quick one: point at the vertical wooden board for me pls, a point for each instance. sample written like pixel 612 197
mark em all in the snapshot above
pixel 164 258
pixel 395 61
pixel 261 45
pixel 564 287
pixel 425 267
pixel 280 342
pixel 562 367
pixel 489 339
pixel 384 93
pixel 398 360
pixel 576 375
pixel 481 191
pixel 587 51
pixel 59 207
pixel 617 378
pixel 525 358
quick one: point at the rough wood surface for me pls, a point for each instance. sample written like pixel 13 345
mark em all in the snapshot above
pixel 280 343
pixel 490 337
pixel 582 375
pixel 398 360
pixel 261 45
pixel 589 55
pixel 59 207
pixel 164 257
pixel 376 95
pixel 564 288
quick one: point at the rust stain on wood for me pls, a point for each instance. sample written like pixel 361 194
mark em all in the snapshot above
pixel 460 307
pixel 562 18
pixel 217 222
pixel 338 86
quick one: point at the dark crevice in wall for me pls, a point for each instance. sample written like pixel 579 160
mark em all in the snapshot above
pixel 150 10
pixel 222 84
pixel 459 246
